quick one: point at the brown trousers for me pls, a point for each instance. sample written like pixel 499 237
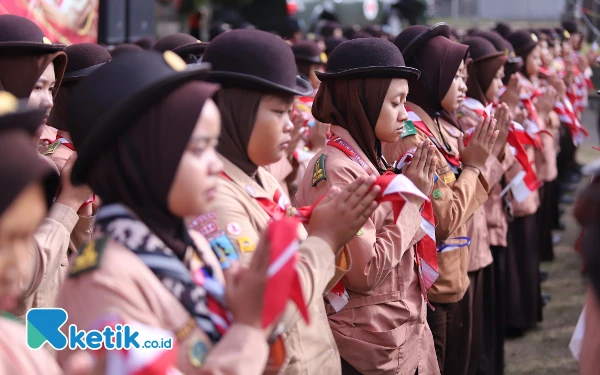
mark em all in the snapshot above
pixel 444 323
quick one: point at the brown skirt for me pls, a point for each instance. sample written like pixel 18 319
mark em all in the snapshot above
pixel 523 295
pixel 547 218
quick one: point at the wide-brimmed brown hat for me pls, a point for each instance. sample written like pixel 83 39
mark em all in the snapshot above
pixel 309 52
pixel 501 45
pixel 481 49
pixel 186 46
pixel 15 114
pixel 83 60
pixel 411 39
pixel 367 57
pixel 22 35
pixel 523 41
pixel 106 103
pixel 255 60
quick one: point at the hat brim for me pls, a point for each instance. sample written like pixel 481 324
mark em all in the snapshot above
pixel 82 73
pixel 403 72
pixel 192 48
pixel 311 60
pixel 124 115
pixel 32 47
pixel 26 119
pixel 302 87
pixel 419 41
pixel 490 56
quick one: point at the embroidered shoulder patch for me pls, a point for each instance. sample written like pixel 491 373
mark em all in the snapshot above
pixel 52 148
pixel 223 248
pixel 89 257
pixel 319 171
pixel 408 129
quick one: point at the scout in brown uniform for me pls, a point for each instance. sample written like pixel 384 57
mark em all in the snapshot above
pixel 32 67
pixel 186 46
pixel 383 327
pixel 523 258
pixel 143 264
pixel 258 72
pixel 497 210
pixel 456 196
pixel 84 59
pixel 28 186
pixel 484 83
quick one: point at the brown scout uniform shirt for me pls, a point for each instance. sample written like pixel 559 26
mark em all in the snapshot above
pixel 480 254
pixel 545 159
pixel 121 283
pixel 383 329
pixel 310 348
pixel 458 200
pixel 16 358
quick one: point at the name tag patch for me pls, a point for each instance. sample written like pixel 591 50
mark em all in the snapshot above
pixel 223 248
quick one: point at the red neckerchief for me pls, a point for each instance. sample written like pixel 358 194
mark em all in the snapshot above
pixel 64 142
pixel 426 254
pixel 452 160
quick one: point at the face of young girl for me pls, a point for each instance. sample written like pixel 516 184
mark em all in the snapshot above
pixel 17 226
pixel 271 135
pixel 457 91
pixel 195 183
pixel 393 114
pixel 492 92
pixel 533 62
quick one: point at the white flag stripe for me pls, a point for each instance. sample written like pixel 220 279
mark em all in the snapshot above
pixel 413 116
pixel 428 228
pixel 287 254
pixel 519 189
pixel 402 185
pixel 137 359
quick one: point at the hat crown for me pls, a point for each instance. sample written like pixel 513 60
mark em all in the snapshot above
pixel 173 41
pixel 413 38
pixel 19 29
pixel 499 43
pixel 306 49
pixel 253 53
pixel 85 55
pixel 480 48
pixel 363 53
pixel 112 85
pixel 522 40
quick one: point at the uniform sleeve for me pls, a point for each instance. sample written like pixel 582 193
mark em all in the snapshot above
pixel 493 171
pixel 457 202
pixel 51 242
pixel 83 231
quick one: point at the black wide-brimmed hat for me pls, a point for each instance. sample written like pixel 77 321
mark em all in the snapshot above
pixel 22 35
pixel 367 57
pixel 108 101
pixel 182 44
pixel 551 35
pixel 414 37
pixel 481 49
pixel 309 52
pixel 503 29
pixel 125 48
pixel 83 59
pixel 563 34
pixel 571 26
pixel 332 42
pixel 501 45
pixel 256 60
pixel 523 41
pixel 14 114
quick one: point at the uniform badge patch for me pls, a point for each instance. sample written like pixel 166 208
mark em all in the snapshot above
pixel 89 257
pixel 234 229
pixel 408 129
pixel 246 245
pixel 437 194
pixel 223 248
pixel 360 233
pixel 52 148
pixel 319 171
pixel 449 178
pixel 197 352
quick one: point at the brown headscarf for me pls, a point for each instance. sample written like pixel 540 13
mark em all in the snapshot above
pixel 354 104
pixel 20 167
pixel 238 114
pixel 438 60
pixel 481 75
pixel 19 73
pixel 139 167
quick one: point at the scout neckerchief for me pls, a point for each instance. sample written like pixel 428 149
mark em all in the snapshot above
pixel 566 113
pixel 60 138
pixel 517 137
pixel 452 160
pixel 426 256
pixel 199 293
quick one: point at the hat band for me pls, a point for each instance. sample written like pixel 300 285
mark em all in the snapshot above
pixel 83 72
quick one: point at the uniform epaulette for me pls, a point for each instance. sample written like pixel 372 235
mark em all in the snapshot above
pixel 52 148
pixel 89 257
pixel 319 170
